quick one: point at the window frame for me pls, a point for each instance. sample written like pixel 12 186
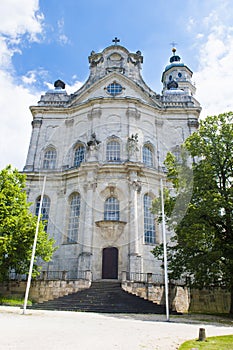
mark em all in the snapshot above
pixel 113 154
pixel 148 220
pixel 50 159
pixel 114 89
pixel 45 209
pixel 79 158
pixel 73 218
pixel 112 209
pixel 148 155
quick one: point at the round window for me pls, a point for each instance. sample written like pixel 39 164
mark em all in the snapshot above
pixel 114 89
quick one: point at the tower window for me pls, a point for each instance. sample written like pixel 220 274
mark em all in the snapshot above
pixel 111 209
pixel 114 89
pixel 79 155
pixel 149 221
pixel 113 151
pixel 44 210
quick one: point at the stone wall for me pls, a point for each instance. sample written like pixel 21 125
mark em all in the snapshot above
pixel 210 300
pixel 181 299
pixel 178 295
pixel 43 290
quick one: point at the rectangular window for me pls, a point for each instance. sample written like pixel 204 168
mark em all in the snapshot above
pixel 149 221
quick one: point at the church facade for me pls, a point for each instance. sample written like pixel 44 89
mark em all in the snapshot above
pixel 102 150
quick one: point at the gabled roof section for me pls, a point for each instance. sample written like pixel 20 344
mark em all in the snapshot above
pixel 104 88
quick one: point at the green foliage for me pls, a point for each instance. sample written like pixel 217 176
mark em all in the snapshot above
pixel 17 227
pixel 212 343
pixel 202 247
pixel 10 301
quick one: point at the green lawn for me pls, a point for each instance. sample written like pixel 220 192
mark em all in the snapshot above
pixel 13 301
pixel 212 343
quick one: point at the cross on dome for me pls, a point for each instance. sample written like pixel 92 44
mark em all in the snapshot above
pixel 173 44
pixel 116 40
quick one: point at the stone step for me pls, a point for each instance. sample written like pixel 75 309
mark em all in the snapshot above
pixel 104 297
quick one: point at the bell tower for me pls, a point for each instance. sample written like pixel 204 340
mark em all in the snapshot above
pixel 177 76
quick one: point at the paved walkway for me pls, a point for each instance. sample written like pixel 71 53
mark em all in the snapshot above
pixel 53 330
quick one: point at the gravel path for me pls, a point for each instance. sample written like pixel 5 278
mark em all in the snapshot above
pixel 53 330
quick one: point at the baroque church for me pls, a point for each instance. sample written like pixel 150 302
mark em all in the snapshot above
pixel 102 150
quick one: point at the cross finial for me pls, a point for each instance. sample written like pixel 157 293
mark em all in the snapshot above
pixel 173 44
pixel 116 40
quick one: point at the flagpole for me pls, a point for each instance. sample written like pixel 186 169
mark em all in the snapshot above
pixel 164 251
pixel 33 250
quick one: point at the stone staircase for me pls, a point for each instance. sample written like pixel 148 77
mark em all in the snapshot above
pixel 104 297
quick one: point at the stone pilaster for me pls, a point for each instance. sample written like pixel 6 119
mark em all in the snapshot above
pixel 135 257
pixel 89 188
pixel 36 125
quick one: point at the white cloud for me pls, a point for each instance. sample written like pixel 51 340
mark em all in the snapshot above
pixel 70 89
pixel 29 78
pixel 199 35
pixel 15 121
pixel 190 24
pixel 63 39
pixel 21 17
pixel 18 19
pixel 214 75
pixel 74 87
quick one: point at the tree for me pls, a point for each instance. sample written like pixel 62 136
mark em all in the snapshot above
pixel 202 245
pixel 18 226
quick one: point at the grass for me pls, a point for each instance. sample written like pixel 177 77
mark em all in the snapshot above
pixel 224 319
pixel 212 343
pixel 13 301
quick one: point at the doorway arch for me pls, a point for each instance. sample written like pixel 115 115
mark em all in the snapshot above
pixel 110 263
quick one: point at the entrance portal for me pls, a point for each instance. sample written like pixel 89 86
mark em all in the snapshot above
pixel 110 263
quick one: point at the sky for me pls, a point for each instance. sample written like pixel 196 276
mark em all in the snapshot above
pixel 45 40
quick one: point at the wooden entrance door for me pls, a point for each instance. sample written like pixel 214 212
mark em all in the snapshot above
pixel 110 263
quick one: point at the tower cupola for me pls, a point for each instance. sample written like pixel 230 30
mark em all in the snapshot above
pixel 177 76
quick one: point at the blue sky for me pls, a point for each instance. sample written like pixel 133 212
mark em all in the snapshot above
pixel 43 40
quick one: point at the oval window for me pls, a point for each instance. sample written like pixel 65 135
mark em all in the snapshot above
pixel 114 89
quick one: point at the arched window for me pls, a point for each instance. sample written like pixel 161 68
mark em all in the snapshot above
pixel 147 155
pixel 149 221
pixel 44 210
pixel 79 154
pixel 111 209
pixel 50 157
pixel 74 214
pixel 113 152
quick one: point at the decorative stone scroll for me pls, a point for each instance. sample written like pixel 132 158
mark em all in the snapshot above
pixel 111 230
pixel 95 58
